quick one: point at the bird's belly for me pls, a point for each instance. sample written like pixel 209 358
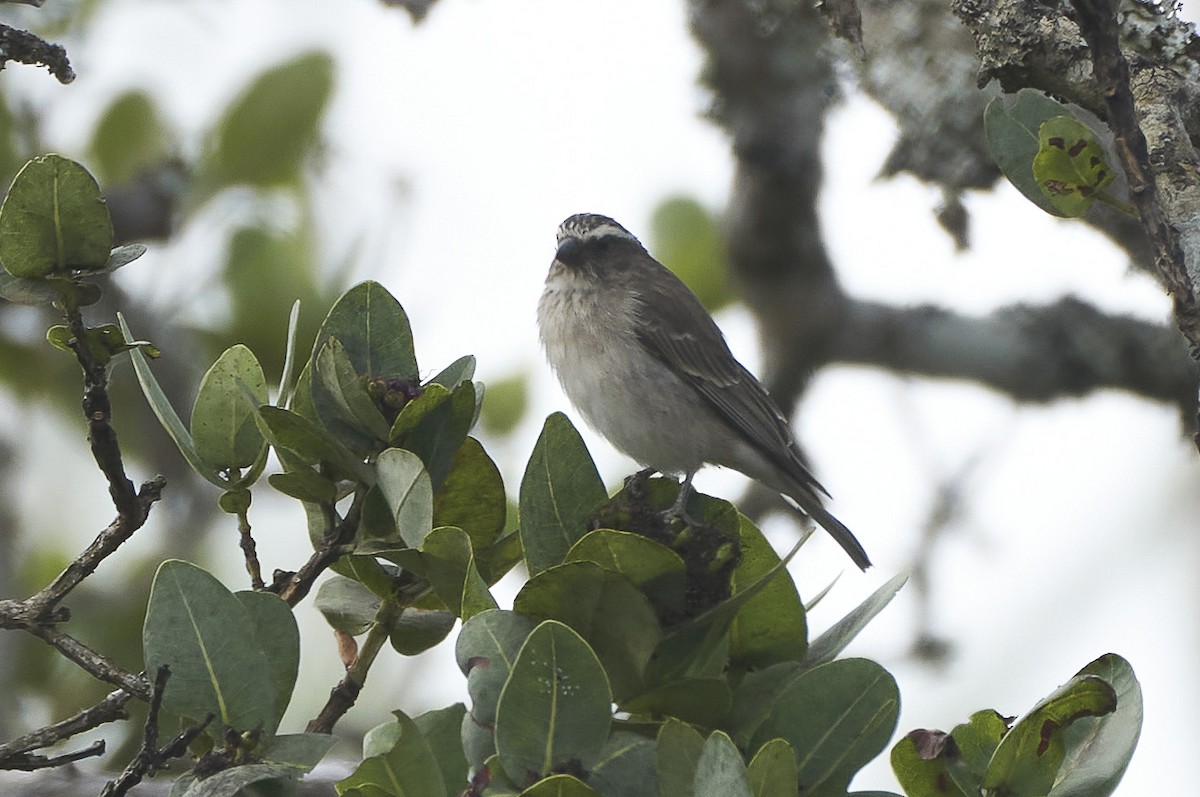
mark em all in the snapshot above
pixel 640 407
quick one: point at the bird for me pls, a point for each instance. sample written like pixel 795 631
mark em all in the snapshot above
pixel 649 369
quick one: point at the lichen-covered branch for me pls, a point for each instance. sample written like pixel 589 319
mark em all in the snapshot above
pixel 1141 78
pixel 770 70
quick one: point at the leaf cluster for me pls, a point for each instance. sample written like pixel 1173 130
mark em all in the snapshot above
pixel 644 656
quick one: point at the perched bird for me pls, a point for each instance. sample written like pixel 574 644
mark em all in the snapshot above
pixel 647 366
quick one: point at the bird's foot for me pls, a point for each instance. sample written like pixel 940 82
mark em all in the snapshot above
pixel 679 508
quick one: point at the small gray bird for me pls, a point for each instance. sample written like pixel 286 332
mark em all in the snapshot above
pixel 647 366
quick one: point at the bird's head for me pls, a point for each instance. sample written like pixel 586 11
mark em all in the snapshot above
pixel 595 244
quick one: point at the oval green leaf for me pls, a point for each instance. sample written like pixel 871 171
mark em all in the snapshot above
pixel 559 492
pixel 210 641
pixel 770 627
pixel 678 752
pixel 555 709
pixel 587 598
pixel 1098 749
pixel 267 131
pixel 1029 756
pixel 720 772
pixel 837 717
pixel 472 496
pixel 409 767
pixel 407 488
pixel 654 568
pixel 54 220
pixel 223 426
pixel 1071 167
pixel 772 771
pixel 279 638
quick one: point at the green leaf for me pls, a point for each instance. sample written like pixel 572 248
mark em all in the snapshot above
pixel 128 139
pixel 122 256
pixel 1070 166
pixel 686 238
pixel 834 640
pixel 347 605
pixel 442 431
pixel 279 638
pixel 472 496
pixel 720 772
pixel 28 291
pixel 654 568
pixel 457 372
pixel 348 392
pixel 627 767
pixel 506 404
pixel 559 492
pixel 703 701
pixel 442 730
pixel 406 486
pixel 231 782
pixel 837 717
pixel 587 598
pixel 286 384
pixel 1098 749
pixel 555 710
pixel 922 763
pixel 311 444
pixel 53 220
pixel 223 427
pixel 374 330
pixel 1012 128
pixel 210 641
pixel 409 767
pixel 267 131
pixel 1029 756
pixel 449 566
pixel 305 485
pixel 166 414
pixel 771 626
pixel 560 786
pixel 679 746
pixel 486 649
pixel 975 743
pixel 772 771
pixel 418 629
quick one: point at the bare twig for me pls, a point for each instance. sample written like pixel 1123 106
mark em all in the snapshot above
pixel 343 696
pixel 23 47
pixel 295 586
pixel 16 753
pixel 249 551
pixel 151 757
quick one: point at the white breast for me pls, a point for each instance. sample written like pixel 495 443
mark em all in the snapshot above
pixel 623 392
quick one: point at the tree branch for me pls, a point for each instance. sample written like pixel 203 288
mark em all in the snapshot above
pixel 1033 354
pixel 1151 101
pixel 16 754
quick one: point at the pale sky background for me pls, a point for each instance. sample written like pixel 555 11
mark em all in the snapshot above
pixel 453 151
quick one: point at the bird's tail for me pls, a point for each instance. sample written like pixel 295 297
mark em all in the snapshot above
pixel 812 506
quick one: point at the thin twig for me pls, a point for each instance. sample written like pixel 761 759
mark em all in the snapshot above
pixel 15 754
pixel 338 534
pixel 250 551
pixel 151 757
pixel 343 696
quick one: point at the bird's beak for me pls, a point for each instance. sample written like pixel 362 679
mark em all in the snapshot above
pixel 570 252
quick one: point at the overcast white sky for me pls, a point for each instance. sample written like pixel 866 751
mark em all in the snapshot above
pixel 457 147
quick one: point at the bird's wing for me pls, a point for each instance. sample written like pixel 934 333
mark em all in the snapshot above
pixel 681 333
